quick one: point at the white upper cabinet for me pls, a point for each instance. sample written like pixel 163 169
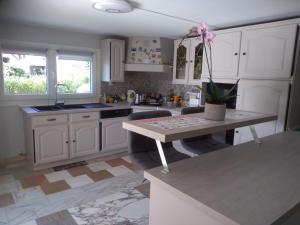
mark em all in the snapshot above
pixel 267 53
pixel 225 56
pixel 264 96
pixel 113 60
pixel 188 56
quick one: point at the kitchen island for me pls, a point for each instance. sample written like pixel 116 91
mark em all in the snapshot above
pixel 247 184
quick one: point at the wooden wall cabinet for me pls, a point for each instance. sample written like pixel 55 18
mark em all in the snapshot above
pixel 187 61
pixel 225 53
pixel 267 53
pixel 113 60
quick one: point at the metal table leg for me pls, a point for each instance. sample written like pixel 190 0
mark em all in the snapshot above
pixel 254 135
pixel 162 157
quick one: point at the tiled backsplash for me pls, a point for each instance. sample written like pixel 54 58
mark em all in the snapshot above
pixel 146 82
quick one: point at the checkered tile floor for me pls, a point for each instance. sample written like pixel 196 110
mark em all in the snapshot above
pixel 57 181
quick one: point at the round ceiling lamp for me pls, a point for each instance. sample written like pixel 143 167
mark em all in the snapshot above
pixel 113 6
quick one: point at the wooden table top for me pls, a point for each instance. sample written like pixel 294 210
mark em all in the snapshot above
pixel 250 184
pixel 166 129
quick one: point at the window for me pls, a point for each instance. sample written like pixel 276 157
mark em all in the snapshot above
pixel 74 73
pixel 24 72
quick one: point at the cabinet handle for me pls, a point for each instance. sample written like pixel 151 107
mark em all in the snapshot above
pixel 244 53
pixel 235 53
pixel 52 119
pixel 88 116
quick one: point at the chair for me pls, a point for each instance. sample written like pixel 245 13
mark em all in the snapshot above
pixel 200 144
pixel 143 151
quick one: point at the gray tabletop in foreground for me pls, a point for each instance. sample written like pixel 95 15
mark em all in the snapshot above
pixel 234 119
pixel 249 184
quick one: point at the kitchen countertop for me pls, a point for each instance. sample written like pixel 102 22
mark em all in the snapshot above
pixel 121 105
pixel 250 184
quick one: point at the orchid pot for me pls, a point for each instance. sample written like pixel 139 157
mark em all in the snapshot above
pixel 215 112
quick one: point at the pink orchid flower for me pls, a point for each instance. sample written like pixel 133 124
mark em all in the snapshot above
pixel 209 37
pixel 202 28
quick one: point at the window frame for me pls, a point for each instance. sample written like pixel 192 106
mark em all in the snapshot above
pixel 72 55
pixel 34 53
pixel 51 72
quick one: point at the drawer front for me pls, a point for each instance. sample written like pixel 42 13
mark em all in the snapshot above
pixel 84 116
pixel 50 119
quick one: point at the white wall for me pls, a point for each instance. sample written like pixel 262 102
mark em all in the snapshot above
pixel 11 118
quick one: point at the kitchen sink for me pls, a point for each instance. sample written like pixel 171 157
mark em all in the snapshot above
pixel 47 108
pixel 69 107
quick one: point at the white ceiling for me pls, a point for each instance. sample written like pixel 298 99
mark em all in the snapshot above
pixel 80 16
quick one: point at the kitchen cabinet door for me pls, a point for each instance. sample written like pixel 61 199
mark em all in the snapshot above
pixel 117 60
pixel 195 64
pixel 84 138
pixel 264 96
pixel 113 134
pixel 181 61
pixel 51 143
pixel 267 53
pixel 225 56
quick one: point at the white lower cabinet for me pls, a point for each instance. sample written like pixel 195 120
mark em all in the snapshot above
pixel 84 138
pixel 113 134
pixel 264 96
pixel 51 143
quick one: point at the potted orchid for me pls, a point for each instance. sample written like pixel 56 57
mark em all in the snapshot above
pixel 215 107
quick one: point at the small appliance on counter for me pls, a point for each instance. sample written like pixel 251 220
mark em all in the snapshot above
pixel 153 99
pixel 131 96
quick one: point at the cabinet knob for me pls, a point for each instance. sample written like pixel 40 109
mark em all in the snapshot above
pixel 67 142
pixel 236 131
pixel 191 61
pixel 74 141
pixel 244 53
pixel 235 53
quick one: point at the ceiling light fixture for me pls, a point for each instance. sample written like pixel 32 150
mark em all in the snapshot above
pixel 113 6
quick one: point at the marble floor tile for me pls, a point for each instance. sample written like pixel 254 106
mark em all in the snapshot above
pixel 32 181
pixel 119 170
pixel 10 187
pixel 58 218
pixel 18 214
pixel 125 207
pixel 6 200
pixel 127 159
pixel 3 219
pixel 78 181
pixel 57 186
pixel 4 179
pixel 120 162
pixel 32 222
pixel 100 175
pixel 144 189
pixel 97 166
pixel 57 176
pixel 79 170
pixel 28 194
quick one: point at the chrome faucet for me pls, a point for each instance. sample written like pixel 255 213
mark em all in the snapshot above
pixel 56 97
